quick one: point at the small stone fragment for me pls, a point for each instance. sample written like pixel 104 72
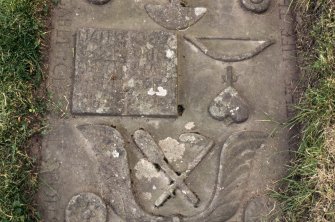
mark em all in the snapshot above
pixel 190 126
pixel 86 207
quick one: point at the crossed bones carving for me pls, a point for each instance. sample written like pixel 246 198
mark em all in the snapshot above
pixel 154 154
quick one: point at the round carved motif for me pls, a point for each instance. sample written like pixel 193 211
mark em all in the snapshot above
pixel 86 207
pixel 257 6
pixel 98 2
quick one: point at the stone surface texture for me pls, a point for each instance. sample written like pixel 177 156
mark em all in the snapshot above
pixel 125 73
pixel 118 78
pixel 86 207
pixel 261 204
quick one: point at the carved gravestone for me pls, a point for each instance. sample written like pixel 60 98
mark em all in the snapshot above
pixel 167 110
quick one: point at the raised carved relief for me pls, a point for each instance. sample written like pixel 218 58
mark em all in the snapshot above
pixel 229 49
pixel 167 151
pixel 143 79
pixel 125 73
pixel 86 207
pixel 236 158
pixel 235 164
pixel 107 145
pixel 229 105
pixel 257 6
pixel 175 15
pixel 98 2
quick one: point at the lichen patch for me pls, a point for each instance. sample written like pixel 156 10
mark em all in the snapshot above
pixel 172 149
pixel 146 170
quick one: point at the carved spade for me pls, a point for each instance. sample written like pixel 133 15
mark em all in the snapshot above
pixel 175 16
pixel 229 106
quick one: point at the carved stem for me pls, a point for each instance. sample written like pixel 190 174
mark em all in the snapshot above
pixel 228 78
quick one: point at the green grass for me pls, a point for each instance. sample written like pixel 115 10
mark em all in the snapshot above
pixel 309 189
pixel 309 192
pixel 20 108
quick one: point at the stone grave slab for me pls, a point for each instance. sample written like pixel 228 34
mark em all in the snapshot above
pixel 125 73
pixel 167 110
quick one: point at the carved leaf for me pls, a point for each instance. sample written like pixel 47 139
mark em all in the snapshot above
pixel 106 145
pixel 235 165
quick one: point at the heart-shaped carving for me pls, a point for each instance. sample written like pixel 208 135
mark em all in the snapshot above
pixel 229 105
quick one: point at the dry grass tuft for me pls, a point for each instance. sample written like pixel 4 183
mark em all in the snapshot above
pixel 308 192
pixel 324 207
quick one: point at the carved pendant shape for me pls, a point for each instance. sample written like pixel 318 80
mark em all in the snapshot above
pixel 229 49
pixel 229 105
pixel 175 16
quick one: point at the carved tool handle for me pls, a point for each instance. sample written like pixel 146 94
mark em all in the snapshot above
pixel 229 78
pixel 148 146
pixel 151 150
pixel 184 189
pixel 199 158
pixel 184 175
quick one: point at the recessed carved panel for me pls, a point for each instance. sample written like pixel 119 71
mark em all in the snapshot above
pixel 125 73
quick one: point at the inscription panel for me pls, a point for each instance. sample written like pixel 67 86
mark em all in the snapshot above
pixel 125 73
